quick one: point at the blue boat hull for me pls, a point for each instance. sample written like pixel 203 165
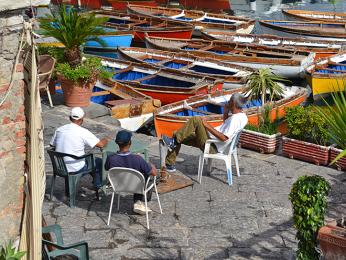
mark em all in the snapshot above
pixel 112 41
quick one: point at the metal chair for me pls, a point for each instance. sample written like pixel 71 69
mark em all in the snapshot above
pixel 79 250
pixel 46 68
pixel 71 178
pixel 226 156
pixel 130 181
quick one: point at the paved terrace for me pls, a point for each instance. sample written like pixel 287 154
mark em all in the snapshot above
pixel 250 220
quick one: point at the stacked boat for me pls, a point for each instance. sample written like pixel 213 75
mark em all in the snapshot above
pixel 288 63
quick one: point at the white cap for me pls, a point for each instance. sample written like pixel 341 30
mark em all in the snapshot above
pixel 77 113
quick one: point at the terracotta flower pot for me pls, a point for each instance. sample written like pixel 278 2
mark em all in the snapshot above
pixel 260 142
pixel 341 163
pixel 305 151
pixel 75 94
pixel 332 241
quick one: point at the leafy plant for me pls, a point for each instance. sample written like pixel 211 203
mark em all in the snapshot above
pixel 335 116
pixel 87 72
pixel 309 201
pixel 304 123
pixel 265 126
pixel 9 252
pixel 262 81
pixel 56 52
pixel 73 29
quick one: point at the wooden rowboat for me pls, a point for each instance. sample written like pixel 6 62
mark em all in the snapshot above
pixel 322 48
pixel 141 25
pixel 201 20
pixel 132 108
pixel 283 61
pixel 328 75
pixel 315 30
pixel 170 118
pixel 167 85
pixel 122 4
pixel 316 15
pixel 234 76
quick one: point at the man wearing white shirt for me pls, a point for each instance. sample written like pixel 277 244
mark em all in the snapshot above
pixel 197 130
pixel 72 139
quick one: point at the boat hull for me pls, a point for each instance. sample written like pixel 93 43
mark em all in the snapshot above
pixel 326 84
pixel 168 124
pixel 171 96
pixel 177 34
pixel 293 32
pixel 112 42
pixel 121 5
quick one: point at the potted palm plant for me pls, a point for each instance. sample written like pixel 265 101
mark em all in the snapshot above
pixel 73 29
pixel 263 85
pixel 307 135
pixel 335 116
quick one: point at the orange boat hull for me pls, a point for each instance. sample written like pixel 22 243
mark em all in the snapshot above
pixel 170 97
pixel 140 37
pixel 168 126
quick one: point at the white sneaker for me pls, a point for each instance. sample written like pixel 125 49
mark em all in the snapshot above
pixel 139 208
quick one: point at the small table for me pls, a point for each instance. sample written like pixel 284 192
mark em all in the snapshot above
pixel 111 147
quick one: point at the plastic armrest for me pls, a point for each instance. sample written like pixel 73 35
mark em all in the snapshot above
pixel 56 229
pixel 147 187
pixel 65 247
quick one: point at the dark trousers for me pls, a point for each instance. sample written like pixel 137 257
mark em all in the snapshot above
pixel 140 197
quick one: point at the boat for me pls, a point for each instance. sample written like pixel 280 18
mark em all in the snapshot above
pixel 311 30
pixel 199 19
pixel 286 62
pixel 122 4
pixel 112 38
pixel 141 25
pixel 132 108
pixel 316 15
pixel 328 75
pixel 234 76
pixel 167 85
pixel 170 118
pixel 322 48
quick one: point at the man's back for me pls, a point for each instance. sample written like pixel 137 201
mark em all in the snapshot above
pixel 71 139
pixel 128 160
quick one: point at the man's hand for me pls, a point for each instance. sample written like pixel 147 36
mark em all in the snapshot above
pixel 153 170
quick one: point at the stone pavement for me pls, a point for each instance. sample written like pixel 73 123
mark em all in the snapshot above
pixel 250 220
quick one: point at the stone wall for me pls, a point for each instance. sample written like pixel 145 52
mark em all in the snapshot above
pixel 12 128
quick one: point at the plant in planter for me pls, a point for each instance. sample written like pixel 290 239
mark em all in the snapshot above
pixel 335 116
pixel 264 137
pixel 308 135
pixel 264 82
pixel 309 202
pixel 73 29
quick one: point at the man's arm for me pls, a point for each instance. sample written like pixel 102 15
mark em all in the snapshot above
pixel 102 142
pixel 213 131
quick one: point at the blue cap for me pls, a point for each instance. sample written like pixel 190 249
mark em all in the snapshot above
pixel 123 137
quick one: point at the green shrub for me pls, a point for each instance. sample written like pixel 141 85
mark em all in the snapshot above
pixel 309 201
pixel 56 52
pixel 88 71
pixel 304 123
pixel 8 252
pixel 265 126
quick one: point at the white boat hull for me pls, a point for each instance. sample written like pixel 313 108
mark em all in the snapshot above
pixel 134 123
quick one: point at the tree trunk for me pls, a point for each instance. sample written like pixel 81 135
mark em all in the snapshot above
pixel 73 56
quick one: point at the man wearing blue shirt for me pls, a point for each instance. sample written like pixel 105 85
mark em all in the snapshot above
pixel 124 158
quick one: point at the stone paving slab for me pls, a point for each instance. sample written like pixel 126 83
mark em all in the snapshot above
pixel 252 219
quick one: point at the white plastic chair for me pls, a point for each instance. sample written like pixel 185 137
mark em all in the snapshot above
pixel 128 180
pixel 230 150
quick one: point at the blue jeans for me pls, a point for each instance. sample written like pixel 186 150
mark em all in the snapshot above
pixel 97 177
